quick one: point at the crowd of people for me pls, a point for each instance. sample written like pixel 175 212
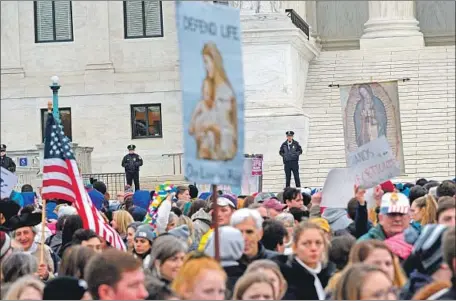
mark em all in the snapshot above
pixel 397 242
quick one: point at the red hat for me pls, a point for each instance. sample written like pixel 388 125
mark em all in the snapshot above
pixel 273 204
pixel 388 186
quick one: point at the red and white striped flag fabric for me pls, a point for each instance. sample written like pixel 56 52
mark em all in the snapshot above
pixel 61 180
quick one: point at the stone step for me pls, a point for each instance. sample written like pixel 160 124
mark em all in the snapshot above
pixel 150 182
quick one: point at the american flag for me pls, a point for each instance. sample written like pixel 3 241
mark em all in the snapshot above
pixel 61 180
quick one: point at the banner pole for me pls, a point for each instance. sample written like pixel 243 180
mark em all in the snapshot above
pixel 43 227
pixel 215 222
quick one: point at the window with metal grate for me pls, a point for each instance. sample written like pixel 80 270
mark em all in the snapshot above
pixel 143 19
pixel 53 21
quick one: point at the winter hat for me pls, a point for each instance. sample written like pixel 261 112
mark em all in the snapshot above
pixel 64 288
pixel 66 210
pixel 146 231
pixel 394 203
pixel 138 213
pixel 135 225
pixel 322 223
pixel 205 196
pixel 387 186
pixel 306 190
pixel 5 243
pixel 193 191
pixel 337 218
pixel 428 248
pixel 262 196
pixel 181 232
pixel 231 246
pixel 230 197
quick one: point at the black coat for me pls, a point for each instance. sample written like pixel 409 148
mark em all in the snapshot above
pixel 290 154
pixel 263 253
pixel 233 273
pixel 300 281
pixel 8 163
pixel 132 162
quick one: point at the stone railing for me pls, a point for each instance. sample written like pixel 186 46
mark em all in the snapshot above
pixel 29 163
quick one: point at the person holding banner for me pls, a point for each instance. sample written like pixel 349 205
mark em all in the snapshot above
pixel 290 151
pixel 25 231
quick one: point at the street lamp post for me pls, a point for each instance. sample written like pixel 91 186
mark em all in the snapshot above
pixel 55 96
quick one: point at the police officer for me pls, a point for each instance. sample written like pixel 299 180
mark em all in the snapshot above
pixel 5 161
pixel 290 152
pixel 131 162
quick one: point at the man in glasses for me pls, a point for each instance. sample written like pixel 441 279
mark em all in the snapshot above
pixel 393 217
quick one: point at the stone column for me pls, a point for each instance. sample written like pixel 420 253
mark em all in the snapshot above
pixel 11 50
pixel 391 24
pixel 98 48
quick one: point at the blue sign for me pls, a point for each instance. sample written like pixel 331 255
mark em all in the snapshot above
pixel 212 86
pixel 23 161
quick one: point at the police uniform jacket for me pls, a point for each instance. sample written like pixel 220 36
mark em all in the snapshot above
pixel 132 162
pixel 290 153
pixel 8 163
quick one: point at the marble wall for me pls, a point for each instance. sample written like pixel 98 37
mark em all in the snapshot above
pixel 341 23
pixel 437 21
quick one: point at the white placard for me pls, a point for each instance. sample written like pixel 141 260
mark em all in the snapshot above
pixel 373 163
pixel 338 188
pixel 8 181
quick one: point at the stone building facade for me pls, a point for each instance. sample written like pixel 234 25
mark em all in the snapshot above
pixel 113 71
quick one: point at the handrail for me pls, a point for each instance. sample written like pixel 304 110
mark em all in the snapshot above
pixel 174 155
pixel 298 21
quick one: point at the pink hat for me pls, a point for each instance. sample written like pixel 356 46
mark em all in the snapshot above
pixel 273 204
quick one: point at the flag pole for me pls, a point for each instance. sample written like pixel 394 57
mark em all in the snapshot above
pixel 215 222
pixel 55 96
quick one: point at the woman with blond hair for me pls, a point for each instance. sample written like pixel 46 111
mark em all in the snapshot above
pixel 377 253
pixel 121 219
pixel 26 288
pixel 200 278
pixel 364 282
pixel 423 211
pixel 306 270
pixel 254 286
pixel 272 271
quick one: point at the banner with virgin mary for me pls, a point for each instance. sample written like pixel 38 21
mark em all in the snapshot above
pixel 370 111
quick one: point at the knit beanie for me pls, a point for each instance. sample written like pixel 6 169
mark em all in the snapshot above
pixel 64 288
pixel 181 232
pixel 5 243
pixel 428 248
pixel 147 232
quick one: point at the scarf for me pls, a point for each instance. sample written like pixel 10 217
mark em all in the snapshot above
pixel 314 272
pixel 32 249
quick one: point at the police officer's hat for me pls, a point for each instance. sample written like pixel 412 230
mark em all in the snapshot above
pixel 131 147
pixel 290 133
pixel 3 147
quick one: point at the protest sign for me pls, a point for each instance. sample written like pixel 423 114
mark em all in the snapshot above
pixel 7 182
pixel 338 188
pixel 257 166
pixel 212 86
pixel 373 163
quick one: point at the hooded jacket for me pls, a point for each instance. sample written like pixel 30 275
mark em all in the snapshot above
pixel 337 218
pixel 231 249
pixel 201 224
pixel 374 233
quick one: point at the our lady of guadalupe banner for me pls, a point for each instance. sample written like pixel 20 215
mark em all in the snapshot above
pixel 370 111
pixel 212 86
